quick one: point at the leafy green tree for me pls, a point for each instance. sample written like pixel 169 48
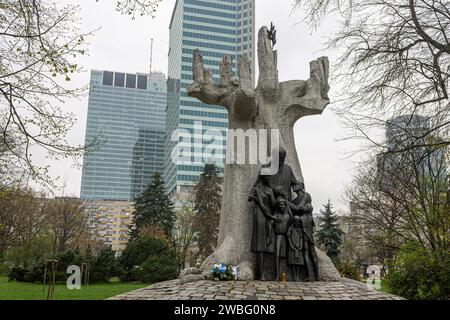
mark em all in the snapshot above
pixel 148 260
pixel 207 204
pixel 329 235
pixel 153 208
pixel 419 273
pixel 103 266
pixel 138 250
pixel 159 267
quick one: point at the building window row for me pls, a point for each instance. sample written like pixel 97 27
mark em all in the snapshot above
pixel 210 45
pixel 192 131
pixel 235 2
pixel 206 53
pixel 195 168
pixel 185 177
pixel 214 70
pixel 210 4
pixel 211 29
pixel 118 79
pixel 200 105
pixel 212 13
pixel 209 37
pixel 109 91
pixel 211 21
pixel 205 123
pixel 204 114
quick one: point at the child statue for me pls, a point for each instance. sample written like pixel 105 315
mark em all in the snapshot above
pixel 283 218
pixel 302 207
pixel 295 251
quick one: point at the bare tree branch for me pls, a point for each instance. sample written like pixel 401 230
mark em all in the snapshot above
pixel 395 61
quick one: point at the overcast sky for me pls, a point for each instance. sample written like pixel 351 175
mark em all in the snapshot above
pixel 123 44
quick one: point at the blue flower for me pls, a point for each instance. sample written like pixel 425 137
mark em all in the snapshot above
pixel 223 268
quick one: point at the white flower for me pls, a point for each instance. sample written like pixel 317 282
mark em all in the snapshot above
pixel 235 272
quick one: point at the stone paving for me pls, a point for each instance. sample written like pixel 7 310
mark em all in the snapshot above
pixel 256 290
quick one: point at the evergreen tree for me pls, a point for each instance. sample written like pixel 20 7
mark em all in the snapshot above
pixel 207 203
pixel 153 208
pixel 329 235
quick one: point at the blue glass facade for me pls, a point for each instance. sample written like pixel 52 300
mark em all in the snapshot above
pixel 127 113
pixel 217 28
pixel 406 139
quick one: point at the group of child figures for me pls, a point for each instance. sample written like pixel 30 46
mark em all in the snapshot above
pixel 282 226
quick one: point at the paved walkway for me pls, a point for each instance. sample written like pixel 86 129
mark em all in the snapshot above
pixel 256 290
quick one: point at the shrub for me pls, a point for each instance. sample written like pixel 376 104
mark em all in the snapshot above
pixel 17 274
pixel 148 260
pixel 34 273
pixel 158 268
pixel 4 269
pixel 104 266
pixel 419 274
pixel 348 270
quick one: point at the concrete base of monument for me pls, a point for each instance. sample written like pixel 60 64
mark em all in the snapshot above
pixel 327 270
pixel 257 290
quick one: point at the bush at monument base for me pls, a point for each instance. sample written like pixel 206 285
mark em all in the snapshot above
pixel 417 273
pixel 158 268
pixel 148 260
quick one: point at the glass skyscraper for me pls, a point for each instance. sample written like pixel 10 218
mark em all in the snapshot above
pixel 216 28
pixel 409 152
pixel 127 113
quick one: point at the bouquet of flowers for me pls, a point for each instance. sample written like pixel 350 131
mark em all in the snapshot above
pixel 223 272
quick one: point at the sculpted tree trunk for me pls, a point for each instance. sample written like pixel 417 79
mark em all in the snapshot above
pixel 272 105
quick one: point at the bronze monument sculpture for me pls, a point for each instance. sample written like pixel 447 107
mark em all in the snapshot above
pixel 289 223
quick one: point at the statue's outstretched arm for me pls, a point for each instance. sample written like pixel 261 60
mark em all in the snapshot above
pixel 238 95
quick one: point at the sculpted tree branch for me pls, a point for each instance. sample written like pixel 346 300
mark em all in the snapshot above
pixel 237 95
pixel 292 99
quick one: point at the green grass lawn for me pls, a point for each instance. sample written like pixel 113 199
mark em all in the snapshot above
pixel 32 291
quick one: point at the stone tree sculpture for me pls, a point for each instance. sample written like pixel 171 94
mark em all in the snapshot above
pixel 272 105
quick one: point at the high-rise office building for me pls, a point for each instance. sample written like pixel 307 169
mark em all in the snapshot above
pixel 409 151
pixel 216 28
pixel 127 113
pixel 406 130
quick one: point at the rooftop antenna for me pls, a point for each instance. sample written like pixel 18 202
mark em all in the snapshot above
pixel 151 56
